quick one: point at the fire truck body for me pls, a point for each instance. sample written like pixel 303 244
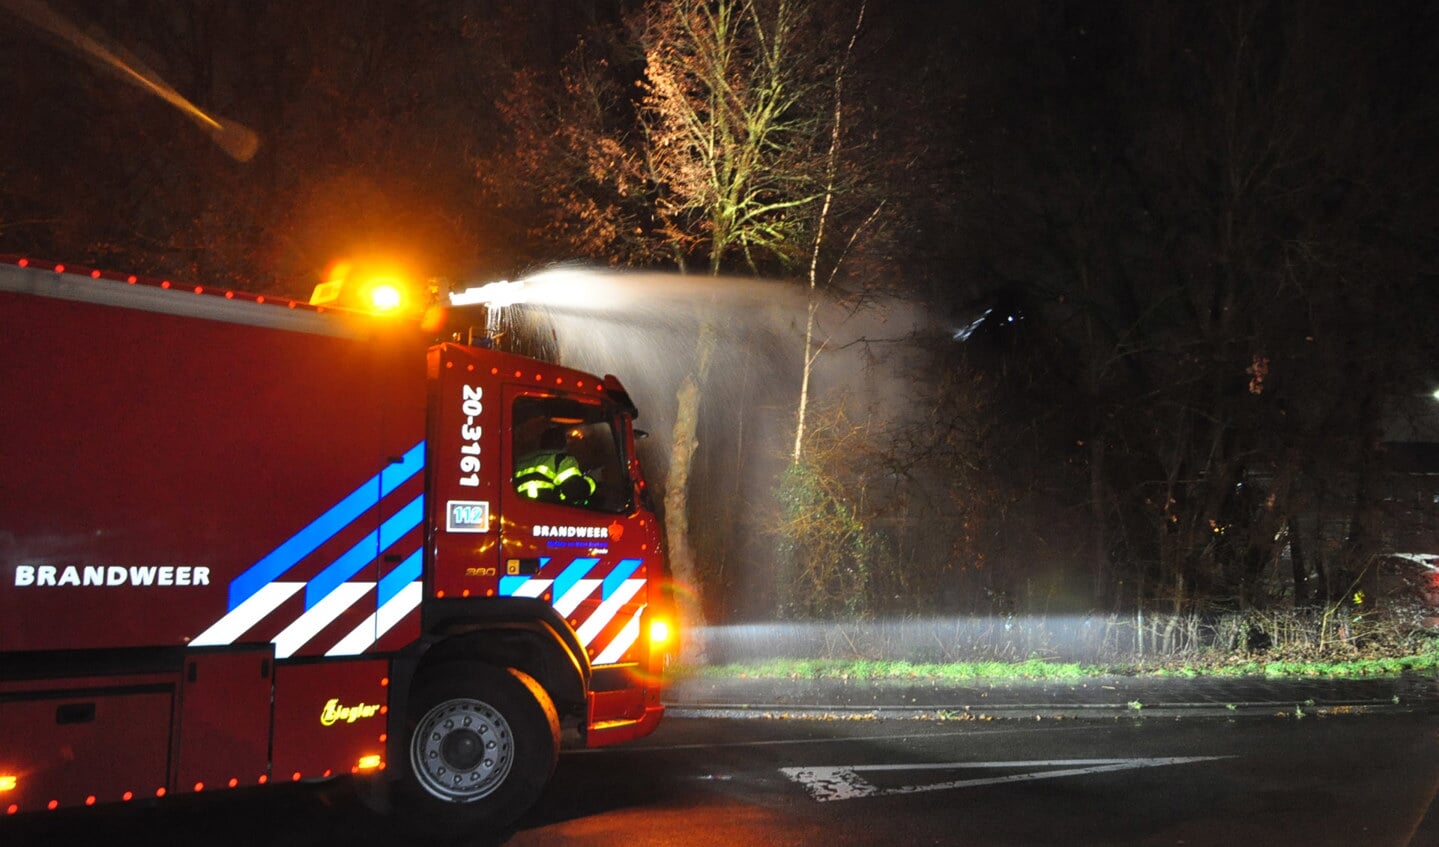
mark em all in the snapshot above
pixel 244 541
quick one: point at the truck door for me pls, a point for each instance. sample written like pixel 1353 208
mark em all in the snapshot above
pixel 574 534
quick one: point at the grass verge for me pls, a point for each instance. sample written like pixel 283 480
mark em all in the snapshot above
pixel 1041 669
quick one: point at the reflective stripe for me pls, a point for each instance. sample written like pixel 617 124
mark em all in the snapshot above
pixel 622 642
pixel 526 587
pixel 572 574
pixel 573 586
pixel 372 629
pixel 325 527
pixel 360 556
pixel 623 570
pixel 546 472
pixel 238 622
pixel 308 625
pixel 254 595
pixel 398 579
pixel 575 596
pixel 607 611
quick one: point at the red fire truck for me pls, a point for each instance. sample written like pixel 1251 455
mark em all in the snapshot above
pixel 246 540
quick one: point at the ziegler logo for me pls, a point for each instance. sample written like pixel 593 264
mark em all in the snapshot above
pixel 335 713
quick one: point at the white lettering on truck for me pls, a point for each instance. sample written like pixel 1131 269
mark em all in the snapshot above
pixel 542 531
pixel 473 406
pixel 55 576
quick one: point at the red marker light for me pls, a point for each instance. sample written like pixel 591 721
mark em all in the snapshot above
pixel 234 781
pixel 53 805
pixel 59 269
pixel 165 283
pixel 94 274
pixel 128 796
pixel 24 263
pixel 90 801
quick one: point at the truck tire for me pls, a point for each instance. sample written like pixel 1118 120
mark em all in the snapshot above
pixel 482 743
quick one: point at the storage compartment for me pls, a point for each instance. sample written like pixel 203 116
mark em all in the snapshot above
pixel 225 718
pixel 85 743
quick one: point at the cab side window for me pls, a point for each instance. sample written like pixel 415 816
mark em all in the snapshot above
pixel 569 452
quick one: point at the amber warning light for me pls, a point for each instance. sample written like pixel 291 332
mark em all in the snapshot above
pixel 377 290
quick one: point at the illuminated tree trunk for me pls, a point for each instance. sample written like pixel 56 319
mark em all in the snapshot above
pixel 683 564
pixel 831 168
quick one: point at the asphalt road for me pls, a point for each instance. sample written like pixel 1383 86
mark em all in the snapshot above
pixel 1284 779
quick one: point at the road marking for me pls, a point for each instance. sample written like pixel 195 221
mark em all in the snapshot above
pixel 843 782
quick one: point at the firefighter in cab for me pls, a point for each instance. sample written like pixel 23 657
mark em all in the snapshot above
pixel 550 474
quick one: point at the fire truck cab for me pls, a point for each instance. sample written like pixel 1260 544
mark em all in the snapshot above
pixel 244 540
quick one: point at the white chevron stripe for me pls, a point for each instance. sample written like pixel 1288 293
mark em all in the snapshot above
pixel 398 608
pixel 533 588
pixel 244 616
pixel 623 641
pixel 321 615
pixel 576 595
pixel 607 610
pixel 374 627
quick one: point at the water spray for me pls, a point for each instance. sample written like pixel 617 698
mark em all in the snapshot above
pixel 496 295
pixel 238 141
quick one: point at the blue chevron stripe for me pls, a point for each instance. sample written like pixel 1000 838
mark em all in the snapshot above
pixel 571 575
pixel 624 569
pixel 362 554
pixel 396 580
pixel 325 527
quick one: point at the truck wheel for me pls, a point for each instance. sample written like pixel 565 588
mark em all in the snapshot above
pixel 483 742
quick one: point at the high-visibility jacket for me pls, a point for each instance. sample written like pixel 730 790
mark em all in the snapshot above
pixel 542 476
